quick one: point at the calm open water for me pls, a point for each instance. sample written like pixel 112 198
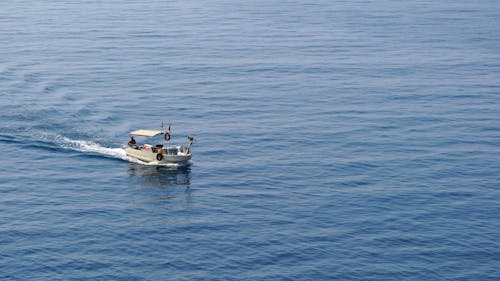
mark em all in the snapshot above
pixel 336 140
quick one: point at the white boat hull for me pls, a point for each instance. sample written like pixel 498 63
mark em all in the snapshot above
pixel 147 155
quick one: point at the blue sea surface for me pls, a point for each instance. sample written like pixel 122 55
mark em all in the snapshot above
pixel 334 140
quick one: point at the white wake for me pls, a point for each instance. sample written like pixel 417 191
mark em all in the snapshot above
pixel 92 147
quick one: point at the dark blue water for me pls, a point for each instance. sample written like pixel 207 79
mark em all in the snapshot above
pixel 335 140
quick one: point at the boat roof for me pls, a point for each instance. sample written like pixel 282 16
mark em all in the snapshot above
pixel 146 133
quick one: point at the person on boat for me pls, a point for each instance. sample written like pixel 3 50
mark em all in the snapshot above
pixel 132 142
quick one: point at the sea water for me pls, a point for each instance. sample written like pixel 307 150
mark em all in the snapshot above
pixel 334 140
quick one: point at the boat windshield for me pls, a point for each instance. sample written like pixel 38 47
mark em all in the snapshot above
pixel 172 150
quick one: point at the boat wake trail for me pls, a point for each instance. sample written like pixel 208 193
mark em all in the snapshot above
pixel 91 147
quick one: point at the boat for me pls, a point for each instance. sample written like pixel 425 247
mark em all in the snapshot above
pixel 162 152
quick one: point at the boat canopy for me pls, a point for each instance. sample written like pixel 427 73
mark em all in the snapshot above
pixel 146 133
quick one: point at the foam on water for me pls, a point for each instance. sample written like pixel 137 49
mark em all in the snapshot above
pixel 92 147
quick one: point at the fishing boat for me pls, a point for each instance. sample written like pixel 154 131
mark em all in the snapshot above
pixel 160 151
